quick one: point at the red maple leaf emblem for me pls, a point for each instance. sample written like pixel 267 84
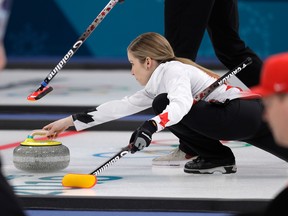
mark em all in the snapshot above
pixel 164 119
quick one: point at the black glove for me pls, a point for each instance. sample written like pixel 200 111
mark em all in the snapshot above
pixel 142 137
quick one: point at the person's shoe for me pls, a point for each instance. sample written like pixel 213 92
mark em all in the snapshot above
pixel 175 158
pixel 203 166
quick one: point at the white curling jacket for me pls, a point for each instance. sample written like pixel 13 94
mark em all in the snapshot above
pixel 180 81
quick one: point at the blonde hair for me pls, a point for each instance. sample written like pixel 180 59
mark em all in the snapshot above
pixel 157 47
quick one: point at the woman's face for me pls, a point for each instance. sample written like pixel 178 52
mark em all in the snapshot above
pixel 141 71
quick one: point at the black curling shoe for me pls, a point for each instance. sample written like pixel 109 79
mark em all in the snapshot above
pixel 210 166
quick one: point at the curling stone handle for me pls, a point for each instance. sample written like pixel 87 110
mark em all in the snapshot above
pixel 37 132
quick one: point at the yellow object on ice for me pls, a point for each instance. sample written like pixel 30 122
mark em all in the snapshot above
pixel 79 180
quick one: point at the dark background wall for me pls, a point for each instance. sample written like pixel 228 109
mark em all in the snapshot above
pixel 41 32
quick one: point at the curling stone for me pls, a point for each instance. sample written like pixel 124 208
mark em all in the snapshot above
pixel 40 155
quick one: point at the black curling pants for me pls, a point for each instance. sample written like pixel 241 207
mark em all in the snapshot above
pixel 206 123
pixel 185 24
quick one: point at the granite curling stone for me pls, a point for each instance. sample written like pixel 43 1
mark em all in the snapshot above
pixel 41 155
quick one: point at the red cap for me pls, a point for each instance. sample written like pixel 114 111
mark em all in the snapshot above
pixel 274 76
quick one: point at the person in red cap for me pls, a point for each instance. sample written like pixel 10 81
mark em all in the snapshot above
pixel 273 88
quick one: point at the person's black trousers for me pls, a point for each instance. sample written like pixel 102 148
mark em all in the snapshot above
pixel 185 22
pixel 201 130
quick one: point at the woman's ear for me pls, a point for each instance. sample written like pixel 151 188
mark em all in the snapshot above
pixel 148 62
